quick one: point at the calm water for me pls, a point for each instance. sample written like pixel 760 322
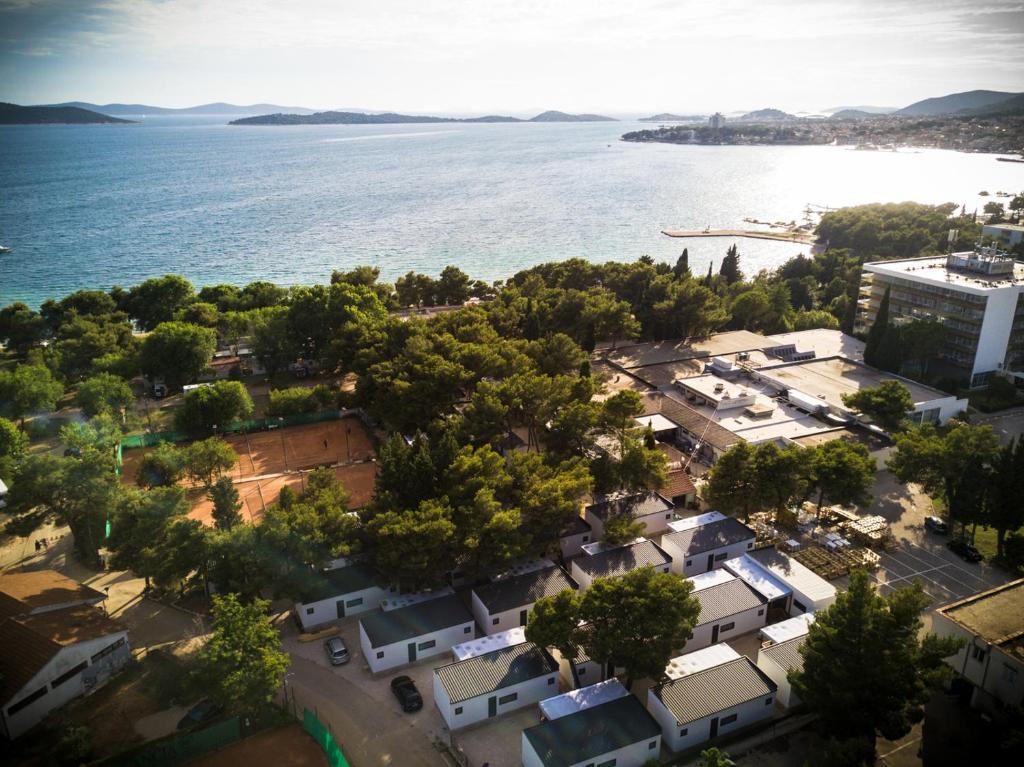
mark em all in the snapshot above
pixel 93 206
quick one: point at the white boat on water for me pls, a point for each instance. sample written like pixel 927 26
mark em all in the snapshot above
pixel 4 249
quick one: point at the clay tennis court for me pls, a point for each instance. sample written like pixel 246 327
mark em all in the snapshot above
pixel 287 746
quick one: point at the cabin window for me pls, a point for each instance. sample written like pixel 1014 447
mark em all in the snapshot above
pixel 978 653
pixel 720 557
pixel 682 732
pixel 467 629
pixel 26 701
pixel 668 516
pixel 652 745
pixel 767 701
pixel 761 611
pixel 68 675
pixel 1009 674
pixel 510 698
pixel 496 621
pixel 799 605
pixel 727 626
pixel 427 645
pixel 354 602
pixel 107 650
pixel 580 671
pixel 551 680
pixel 729 719
pixel 609 763
pixel 309 611
pixel 458 711
pixel 689 562
pixel 380 654
pixel 750 545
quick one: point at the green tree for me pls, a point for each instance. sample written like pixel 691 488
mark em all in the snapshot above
pixel 808 319
pixel 921 341
pixel 177 351
pixel 243 663
pixel 207 459
pixel 138 529
pixel 841 472
pixel 713 757
pixel 226 503
pixel 13 448
pixel 199 313
pixel 867 670
pixel 886 404
pixel 452 286
pixel 623 528
pixel 947 463
pixel 780 474
pixel 104 393
pixel 415 547
pixel 732 483
pixel 730 269
pixel 28 389
pixel 639 620
pixel 158 299
pixel 213 407
pixel 20 328
pixel 1005 499
pixel 682 267
pixel 554 622
pixel 239 561
pixel 161 466
pixel 878 330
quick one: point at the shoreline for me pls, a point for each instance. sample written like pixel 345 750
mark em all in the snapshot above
pixel 798 237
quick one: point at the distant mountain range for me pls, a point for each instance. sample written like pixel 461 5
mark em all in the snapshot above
pixel 854 114
pixel 969 102
pixel 217 108
pixel 392 118
pixel 12 114
pixel 868 109
pixel 767 115
pixel 668 117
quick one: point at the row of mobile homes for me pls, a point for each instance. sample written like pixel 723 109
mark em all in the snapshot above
pixel 705 541
pixel 711 692
pixel 421 629
pixel 488 685
pixel 506 601
pixel 810 592
pixel 333 594
pixel 618 733
pixel 602 560
pixel 728 607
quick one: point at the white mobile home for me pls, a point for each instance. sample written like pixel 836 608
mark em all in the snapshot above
pixel 489 643
pixel 601 560
pixel 506 601
pixel 650 509
pixel 585 697
pixel 334 594
pixel 777 660
pixel 729 607
pixel 619 733
pixel 574 537
pixel 711 700
pixel 588 671
pixel 488 685
pixel 703 542
pixel 392 638
pixel 810 592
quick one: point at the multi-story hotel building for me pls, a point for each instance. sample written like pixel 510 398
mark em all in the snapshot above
pixel 975 294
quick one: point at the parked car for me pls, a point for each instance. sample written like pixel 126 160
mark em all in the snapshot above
pixel 405 690
pixel 964 550
pixel 936 525
pixel 201 713
pixel 336 651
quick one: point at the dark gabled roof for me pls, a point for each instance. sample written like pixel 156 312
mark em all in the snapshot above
pixel 787 654
pixel 622 559
pixel 714 535
pixel 715 689
pixel 638 504
pixel 324 584
pixel 390 626
pixel 725 599
pixel 521 590
pixel 693 421
pixel 483 674
pixel 592 732
pixel 578 526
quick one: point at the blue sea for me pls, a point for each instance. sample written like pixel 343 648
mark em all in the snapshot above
pixel 95 206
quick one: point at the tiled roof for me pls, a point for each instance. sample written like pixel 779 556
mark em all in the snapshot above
pixel 386 627
pixel 42 588
pixel 677 483
pixel 622 559
pixel 787 654
pixel 707 692
pixel 519 590
pixel 693 421
pixel 725 599
pixel 638 504
pixel 716 535
pixel 592 732
pixel 495 670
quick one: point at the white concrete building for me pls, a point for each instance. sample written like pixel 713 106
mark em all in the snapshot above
pixel 714 695
pixel 653 511
pixel 574 537
pixel 485 686
pixel 57 646
pixel 334 594
pixel 1008 235
pixel 703 542
pixel 728 608
pixel 617 733
pixel 506 601
pixel 992 626
pixel 976 295
pixel 600 560
pixel 769 570
pixel 780 653
pixel 424 629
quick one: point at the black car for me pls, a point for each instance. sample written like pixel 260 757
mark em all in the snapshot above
pixel 201 713
pixel 964 550
pixel 936 525
pixel 405 690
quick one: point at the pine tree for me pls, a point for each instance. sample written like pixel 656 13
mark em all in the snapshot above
pixel 226 503
pixel 731 266
pixel 682 267
pixel 711 274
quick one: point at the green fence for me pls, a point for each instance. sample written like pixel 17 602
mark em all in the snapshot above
pixel 178 749
pixel 151 439
pixel 320 733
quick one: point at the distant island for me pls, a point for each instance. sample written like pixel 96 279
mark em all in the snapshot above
pixel 216 108
pixel 13 114
pixel 767 115
pixel 668 117
pixel 392 118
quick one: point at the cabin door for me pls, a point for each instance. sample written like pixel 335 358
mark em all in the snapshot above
pixel 522 617
pixel 492 706
pixel 412 651
pixel 341 608
pixel 714 728
pixel 714 634
pixel 711 562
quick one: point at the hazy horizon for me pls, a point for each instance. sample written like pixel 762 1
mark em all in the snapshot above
pixel 521 57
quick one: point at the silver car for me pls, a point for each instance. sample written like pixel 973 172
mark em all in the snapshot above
pixel 336 651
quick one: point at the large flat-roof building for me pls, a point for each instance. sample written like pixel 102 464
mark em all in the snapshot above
pixel 992 659
pixel 976 295
pixel 1009 235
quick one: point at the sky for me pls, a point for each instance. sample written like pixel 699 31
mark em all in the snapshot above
pixel 509 56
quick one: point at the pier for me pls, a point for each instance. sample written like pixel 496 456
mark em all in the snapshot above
pixel 789 236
